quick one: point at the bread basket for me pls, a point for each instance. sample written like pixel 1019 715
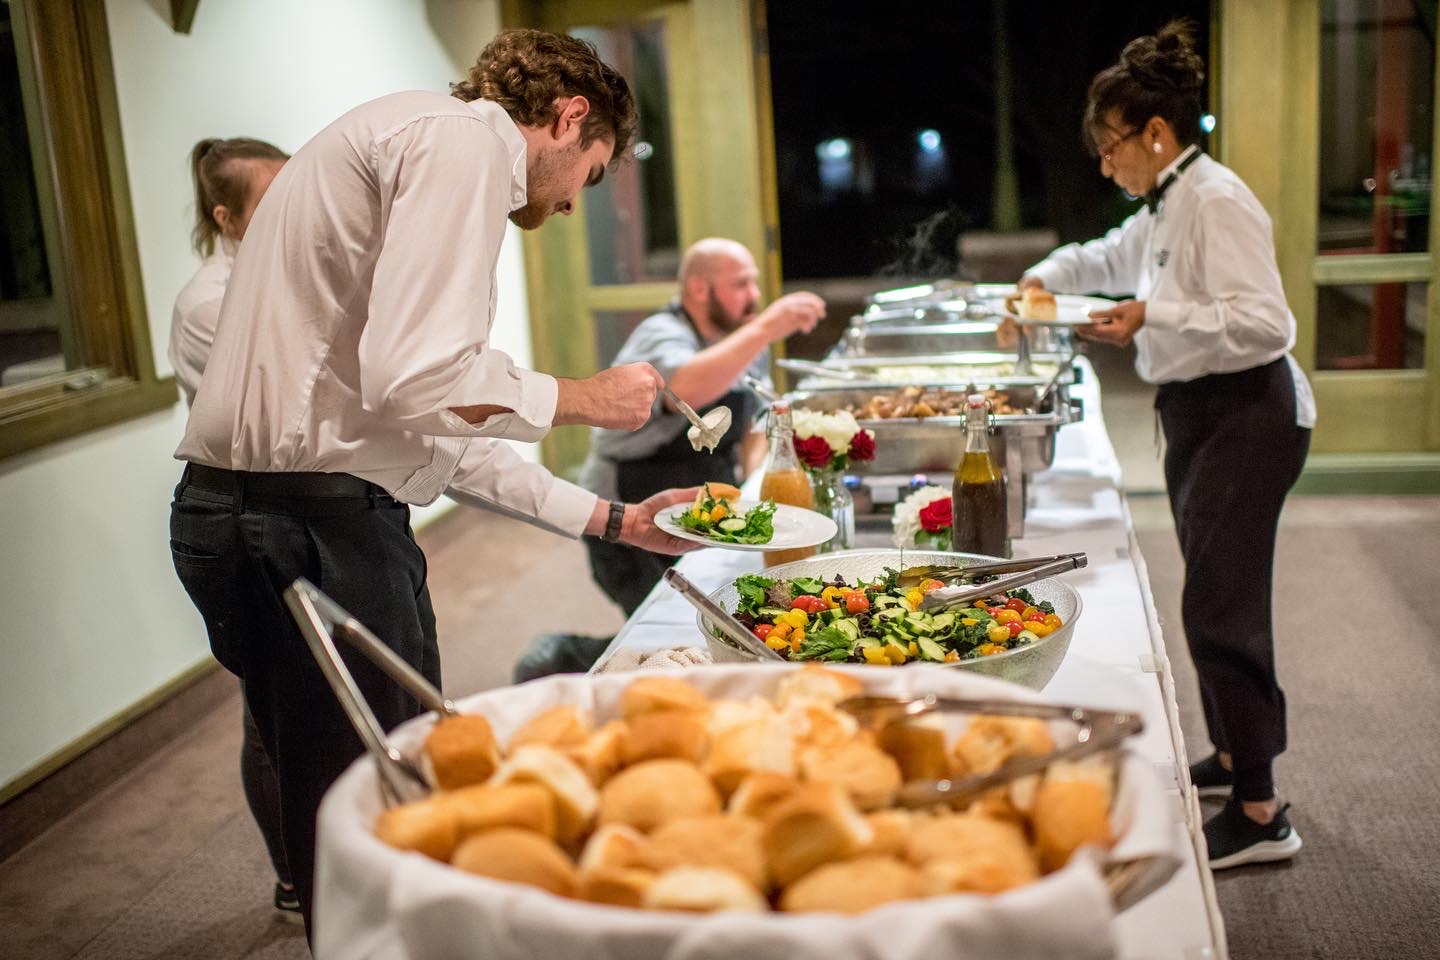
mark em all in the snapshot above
pixel 1030 666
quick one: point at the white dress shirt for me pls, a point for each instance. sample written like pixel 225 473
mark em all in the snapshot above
pixel 1205 266
pixel 359 312
pixel 195 316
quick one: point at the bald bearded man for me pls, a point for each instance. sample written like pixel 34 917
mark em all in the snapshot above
pixel 703 344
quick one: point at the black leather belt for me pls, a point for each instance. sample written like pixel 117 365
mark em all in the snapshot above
pixel 287 486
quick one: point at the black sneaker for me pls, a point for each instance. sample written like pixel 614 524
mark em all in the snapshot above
pixel 1234 839
pixel 287 904
pixel 1210 779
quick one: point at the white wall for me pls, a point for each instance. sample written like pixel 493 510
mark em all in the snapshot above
pixel 92 618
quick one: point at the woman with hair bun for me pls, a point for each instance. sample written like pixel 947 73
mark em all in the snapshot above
pixel 230 177
pixel 1212 330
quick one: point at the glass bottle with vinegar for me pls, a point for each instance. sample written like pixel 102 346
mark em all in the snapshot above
pixel 979 523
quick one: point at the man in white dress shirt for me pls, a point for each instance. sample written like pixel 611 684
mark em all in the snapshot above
pixel 352 375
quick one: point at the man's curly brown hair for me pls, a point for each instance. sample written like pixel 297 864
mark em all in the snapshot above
pixel 525 71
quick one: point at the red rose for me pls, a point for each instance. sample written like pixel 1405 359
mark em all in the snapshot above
pixel 862 446
pixel 936 516
pixel 814 451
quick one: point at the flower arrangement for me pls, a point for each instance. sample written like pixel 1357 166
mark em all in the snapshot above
pixel 829 441
pixel 923 519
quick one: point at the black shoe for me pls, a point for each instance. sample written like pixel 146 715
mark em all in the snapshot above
pixel 1210 779
pixel 287 904
pixel 1234 839
pixel 559 653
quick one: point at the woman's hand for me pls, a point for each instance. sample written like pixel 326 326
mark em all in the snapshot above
pixel 1117 325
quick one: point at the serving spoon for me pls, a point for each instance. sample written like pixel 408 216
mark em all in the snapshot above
pixel 705 432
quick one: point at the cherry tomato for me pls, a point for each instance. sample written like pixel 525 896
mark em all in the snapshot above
pixel 1014 628
pixel 1016 604
pixel 1008 616
pixel 995 611
pixel 762 630
pixel 801 602
pixel 1033 616
pixel 931 585
pixel 856 602
pixel 1053 620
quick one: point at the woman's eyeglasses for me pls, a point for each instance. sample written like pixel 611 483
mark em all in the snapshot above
pixel 1108 151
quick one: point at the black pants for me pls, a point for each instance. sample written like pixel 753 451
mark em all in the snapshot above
pixel 626 574
pixel 1233 453
pixel 262 794
pixel 235 552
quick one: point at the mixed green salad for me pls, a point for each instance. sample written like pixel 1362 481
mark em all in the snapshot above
pixel 881 623
pixel 715 519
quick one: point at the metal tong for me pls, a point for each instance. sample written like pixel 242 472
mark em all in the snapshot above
pixel 733 629
pixel 974 572
pixel 707 433
pixel 319 618
pixel 1100 730
pixel 1028 572
pixel 818 369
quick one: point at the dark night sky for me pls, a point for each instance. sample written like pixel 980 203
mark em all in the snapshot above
pixel 878 73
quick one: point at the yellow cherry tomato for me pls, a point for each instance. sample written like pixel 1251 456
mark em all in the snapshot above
pixel 1053 620
pixel 1008 616
pixel 998 633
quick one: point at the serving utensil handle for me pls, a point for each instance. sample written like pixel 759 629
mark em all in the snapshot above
pixel 731 627
pixel 684 408
pixel 944 599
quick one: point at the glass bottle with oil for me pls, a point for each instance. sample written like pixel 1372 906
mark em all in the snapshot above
pixel 978 517
pixel 785 481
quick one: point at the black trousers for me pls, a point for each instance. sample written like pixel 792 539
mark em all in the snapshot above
pixel 235 552
pixel 626 574
pixel 1233 453
pixel 262 794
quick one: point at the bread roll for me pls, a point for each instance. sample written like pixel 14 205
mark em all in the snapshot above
pixel 817 684
pixel 892 832
pixel 852 886
pixel 614 845
pixel 728 843
pixel 967 853
pixel 748 748
pixel 652 793
pixel 658 694
pixel 1037 304
pixel 575 796
pixel 599 755
pixel 426 826
pixel 868 774
pixel 526 806
pixel 614 886
pixel 461 751
pixel 1072 810
pixel 702 890
pixel 561 727
pixel 989 741
pixel 815 825
pixel 678 735
pixel 519 856
pixel 816 724
pixel 720 490
pixel 918 747
pixel 759 793
pixel 725 714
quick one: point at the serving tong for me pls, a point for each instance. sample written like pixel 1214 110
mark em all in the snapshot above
pixel 983 580
pixel 705 431
pixel 320 620
pixel 1099 730
pixel 733 629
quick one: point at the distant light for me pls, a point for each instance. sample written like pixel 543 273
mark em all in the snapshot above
pixel 929 140
pixel 1207 122
pixel 835 149
pixel 644 150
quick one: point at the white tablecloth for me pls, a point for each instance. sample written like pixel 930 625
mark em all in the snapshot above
pixel 1116 657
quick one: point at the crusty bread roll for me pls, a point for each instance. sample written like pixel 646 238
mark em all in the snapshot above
pixel 654 792
pixel 816 824
pixel 728 843
pixel 868 774
pixel 614 845
pixel 426 826
pixel 968 853
pixel 599 755
pixel 660 694
pixel 817 684
pixel 1037 304
pixel 759 793
pixel 725 714
pixel 816 724
pixel 1072 810
pixel 989 741
pixel 720 490
pixel 747 748
pixel 575 796
pixel 614 886
pixel 852 886
pixel 676 734
pixel 702 890
pixel 527 806
pixel 561 727
pixel 519 856
pixel 461 751
pixel 918 747
pixel 892 832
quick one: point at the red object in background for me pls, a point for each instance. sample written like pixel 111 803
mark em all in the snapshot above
pixel 936 516
pixel 813 452
pixel 862 446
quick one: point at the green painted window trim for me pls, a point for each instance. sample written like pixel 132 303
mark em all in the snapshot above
pixel 1365 268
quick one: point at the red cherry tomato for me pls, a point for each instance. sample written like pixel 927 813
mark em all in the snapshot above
pixel 1014 628
pixel 1036 617
pixel 995 611
pixel 931 586
pixel 762 630
pixel 856 602
pixel 1016 604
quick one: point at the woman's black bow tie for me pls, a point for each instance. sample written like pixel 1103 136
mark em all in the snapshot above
pixel 1153 198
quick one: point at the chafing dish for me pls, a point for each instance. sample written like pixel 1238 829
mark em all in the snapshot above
pixel 896 338
pixel 980 368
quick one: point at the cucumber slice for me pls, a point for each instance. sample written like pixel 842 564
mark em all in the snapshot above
pixel 731 525
pixel 930 650
pixel 942 622
pixel 850 628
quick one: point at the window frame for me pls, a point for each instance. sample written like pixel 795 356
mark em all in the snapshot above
pixel 66 49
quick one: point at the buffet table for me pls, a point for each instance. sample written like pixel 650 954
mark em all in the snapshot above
pixel 1116 658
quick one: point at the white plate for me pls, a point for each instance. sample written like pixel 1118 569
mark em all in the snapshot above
pixel 794 527
pixel 1070 310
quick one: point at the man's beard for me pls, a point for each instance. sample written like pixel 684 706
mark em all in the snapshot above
pixel 549 167
pixel 721 319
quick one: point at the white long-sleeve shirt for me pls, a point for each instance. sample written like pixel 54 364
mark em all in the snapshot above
pixel 359 312
pixel 196 315
pixel 1205 266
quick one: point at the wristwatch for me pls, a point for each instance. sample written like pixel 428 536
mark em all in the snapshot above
pixel 614 523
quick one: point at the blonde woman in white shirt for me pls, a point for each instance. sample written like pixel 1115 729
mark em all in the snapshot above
pixel 1211 328
pixel 230 176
